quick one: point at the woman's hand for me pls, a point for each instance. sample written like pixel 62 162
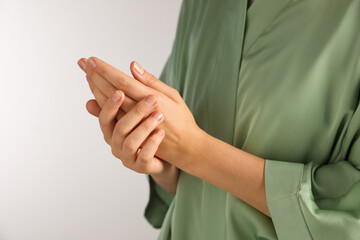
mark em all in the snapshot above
pixel 179 123
pixel 168 178
pixel 126 135
pixel 217 162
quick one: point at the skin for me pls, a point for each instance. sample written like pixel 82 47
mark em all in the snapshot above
pixel 163 173
pixel 185 145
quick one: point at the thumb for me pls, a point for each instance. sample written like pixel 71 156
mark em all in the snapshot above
pixel 93 107
pixel 151 81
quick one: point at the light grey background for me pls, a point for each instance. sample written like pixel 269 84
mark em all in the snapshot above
pixel 58 178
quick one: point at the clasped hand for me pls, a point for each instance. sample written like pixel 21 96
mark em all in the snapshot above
pixel 130 109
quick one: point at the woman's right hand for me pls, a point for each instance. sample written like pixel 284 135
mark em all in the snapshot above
pixel 169 177
pixel 144 160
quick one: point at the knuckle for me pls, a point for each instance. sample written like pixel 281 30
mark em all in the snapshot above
pixel 152 79
pixel 142 160
pixel 138 110
pixel 125 164
pixel 114 152
pixel 129 145
pixel 151 100
pixel 154 140
pixel 109 91
pixel 148 125
pixel 121 82
pixel 119 128
pixel 143 166
pixel 120 131
pixel 176 93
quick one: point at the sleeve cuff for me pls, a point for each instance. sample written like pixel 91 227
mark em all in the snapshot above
pixel 158 204
pixel 167 197
pixel 283 186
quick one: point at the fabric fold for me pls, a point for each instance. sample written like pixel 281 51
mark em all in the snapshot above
pixel 158 203
pixel 312 201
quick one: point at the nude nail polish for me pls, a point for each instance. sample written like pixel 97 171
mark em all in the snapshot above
pixel 157 116
pixel 91 63
pixel 138 68
pixel 82 65
pixel 116 97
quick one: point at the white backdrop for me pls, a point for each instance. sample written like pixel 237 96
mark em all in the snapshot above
pixel 58 178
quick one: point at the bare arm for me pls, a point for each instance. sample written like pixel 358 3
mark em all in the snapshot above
pixel 169 180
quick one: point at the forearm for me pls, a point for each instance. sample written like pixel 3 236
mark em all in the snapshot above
pixel 227 167
pixel 169 180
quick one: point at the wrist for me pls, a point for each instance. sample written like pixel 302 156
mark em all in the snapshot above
pixel 168 179
pixel 192 152
pixel 167 174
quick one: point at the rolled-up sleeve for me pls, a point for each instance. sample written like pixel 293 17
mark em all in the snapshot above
pixel 317 201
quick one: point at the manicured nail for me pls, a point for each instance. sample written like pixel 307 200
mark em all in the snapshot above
pixel 161 132
pixel 150 100
pixel 157 116
pixel 82 65
pixel 92 63
pixel 116 96
pixel 138 68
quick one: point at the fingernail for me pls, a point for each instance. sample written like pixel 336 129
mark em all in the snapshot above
pixel 138 68
pixel 157 116
pixel 116 97
pixel 161 132
pixel 92 63
pixel 82 65
pixel 150 100
pixel 88 79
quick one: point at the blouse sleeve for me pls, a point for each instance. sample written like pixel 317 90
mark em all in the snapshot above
pixel 158 203
pixel 312 201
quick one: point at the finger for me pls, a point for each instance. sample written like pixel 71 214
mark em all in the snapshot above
pixel 139 134
pixel 132 88
pixel 151 81
pixel 105 87
pixel 93 107
pixel 128 122
pixel 120 114
pixel 146 159
pixel 108 114
pixel 82 64
pixel 99 96
pixel 128 103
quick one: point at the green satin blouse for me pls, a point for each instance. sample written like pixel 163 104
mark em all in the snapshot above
pixel 279 80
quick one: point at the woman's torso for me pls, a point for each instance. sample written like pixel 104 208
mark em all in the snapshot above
pixel 277 81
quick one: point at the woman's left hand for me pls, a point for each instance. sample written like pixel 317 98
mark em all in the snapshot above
pixel 179 124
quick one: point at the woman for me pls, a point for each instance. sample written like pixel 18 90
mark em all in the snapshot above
pixel 262 134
